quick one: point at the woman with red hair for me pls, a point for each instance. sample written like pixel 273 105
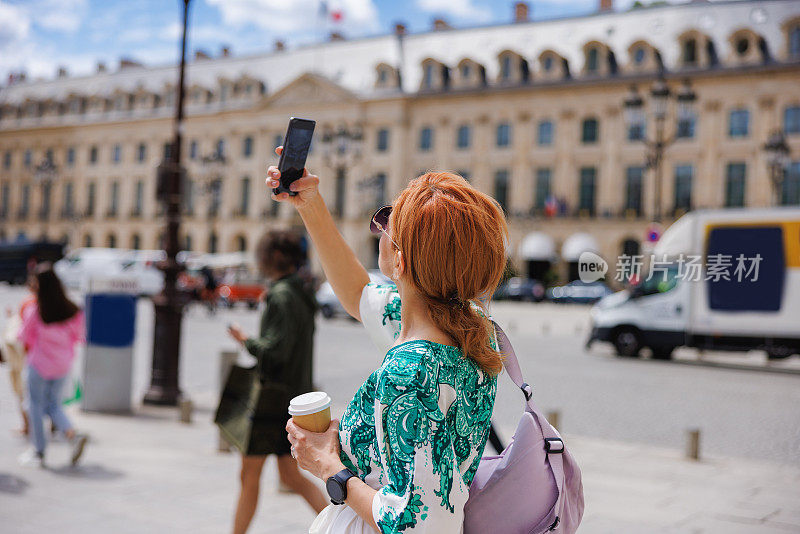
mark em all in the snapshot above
pixel 408 445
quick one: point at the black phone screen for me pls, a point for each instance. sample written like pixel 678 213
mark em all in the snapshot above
pixel 295 151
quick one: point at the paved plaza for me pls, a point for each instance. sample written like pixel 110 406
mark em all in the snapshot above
pixel 148 472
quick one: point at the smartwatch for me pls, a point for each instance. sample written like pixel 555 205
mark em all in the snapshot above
pixel 337 486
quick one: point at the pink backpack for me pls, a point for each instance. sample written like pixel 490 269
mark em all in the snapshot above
pixel 534 485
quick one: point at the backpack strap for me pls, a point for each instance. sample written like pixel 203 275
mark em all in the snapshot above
pixel 554 446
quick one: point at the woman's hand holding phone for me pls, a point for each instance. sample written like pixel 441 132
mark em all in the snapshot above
pixel 307 187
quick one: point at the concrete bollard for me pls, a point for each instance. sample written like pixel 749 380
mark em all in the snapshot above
pixel 693 444
pixel 227 359
pixel 552 418
pixel 186 408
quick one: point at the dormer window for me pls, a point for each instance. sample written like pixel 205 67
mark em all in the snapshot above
pixel 747 47
pixel 387 77
pixel 742 45
pixel 698 50
pixel 429 74
pixel 547 64
pixel 513 68
pixel 592 62
pixel 639 55
pixel 505 69
pixel 466 71
pixel 794 42
pixel 599 59
pixel 435 75
pixel 690 52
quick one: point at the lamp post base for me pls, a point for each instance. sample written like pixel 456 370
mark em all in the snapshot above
pixel 164 390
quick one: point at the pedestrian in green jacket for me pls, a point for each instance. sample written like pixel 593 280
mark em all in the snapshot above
pixel 284 349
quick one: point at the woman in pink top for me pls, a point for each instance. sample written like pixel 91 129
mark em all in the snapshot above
pixel 50 330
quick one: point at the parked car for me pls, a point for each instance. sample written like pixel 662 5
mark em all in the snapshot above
pixel 240 286
pixel 579 292
pixel 520 289
pixel 329 304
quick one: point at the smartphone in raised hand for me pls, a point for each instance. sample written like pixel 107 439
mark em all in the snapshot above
pixel 295 151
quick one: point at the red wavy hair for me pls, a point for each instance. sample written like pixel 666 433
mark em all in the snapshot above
pixel 453 240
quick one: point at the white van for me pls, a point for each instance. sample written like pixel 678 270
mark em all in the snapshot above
pixel 722 279
pixel 80 265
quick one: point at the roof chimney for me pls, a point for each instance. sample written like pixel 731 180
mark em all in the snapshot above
pixel 280 46
pixel 126 63
pixel 399 28
pixel 606 5
pixel 62 72
pixel 521 12
pixel 225 51
pixel 336 36
pixel 440 24
pixel 101 66
pixel 201 54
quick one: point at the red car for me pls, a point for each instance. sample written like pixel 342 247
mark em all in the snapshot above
pixel 241 287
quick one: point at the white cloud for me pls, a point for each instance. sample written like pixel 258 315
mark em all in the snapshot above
pixel 19 47
pixel 14 25
pixel 299 17
pixel 58 15
pixel 460 9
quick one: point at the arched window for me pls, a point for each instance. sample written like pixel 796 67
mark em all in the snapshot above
pixel 241 243
pixel 136 242
pixel 111 241
pixel 87 241
pixel 212 243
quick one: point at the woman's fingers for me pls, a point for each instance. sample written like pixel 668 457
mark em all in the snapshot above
pixel 308 181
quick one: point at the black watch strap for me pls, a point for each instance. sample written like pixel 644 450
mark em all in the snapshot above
pixel 337 486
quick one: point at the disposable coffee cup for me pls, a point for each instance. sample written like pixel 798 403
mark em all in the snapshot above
pixel 311 411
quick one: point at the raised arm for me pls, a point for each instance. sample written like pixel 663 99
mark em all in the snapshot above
pixel 344 272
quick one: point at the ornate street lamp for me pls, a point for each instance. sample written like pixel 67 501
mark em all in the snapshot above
pixel 341 149
pixel 169 303
pixel 660 97
pixel 45 174
pixel 778 159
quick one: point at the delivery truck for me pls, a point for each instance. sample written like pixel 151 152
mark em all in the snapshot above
pixel 717 279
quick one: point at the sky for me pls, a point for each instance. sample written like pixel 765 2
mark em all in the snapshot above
pixel 39 36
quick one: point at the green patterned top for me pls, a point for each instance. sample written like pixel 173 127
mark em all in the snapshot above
pixel 416 429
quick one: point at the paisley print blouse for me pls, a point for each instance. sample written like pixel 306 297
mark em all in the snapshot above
pixel 416 429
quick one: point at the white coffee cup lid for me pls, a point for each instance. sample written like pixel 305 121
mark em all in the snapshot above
pixel 309 403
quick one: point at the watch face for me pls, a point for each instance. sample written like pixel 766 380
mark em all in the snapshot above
pixel 334 490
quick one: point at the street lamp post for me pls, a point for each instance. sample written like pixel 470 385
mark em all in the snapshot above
pixel 635 116
pixel 778 159
pixel 341 149
pixel 45 174
pixel 169 303
pixel 213 167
